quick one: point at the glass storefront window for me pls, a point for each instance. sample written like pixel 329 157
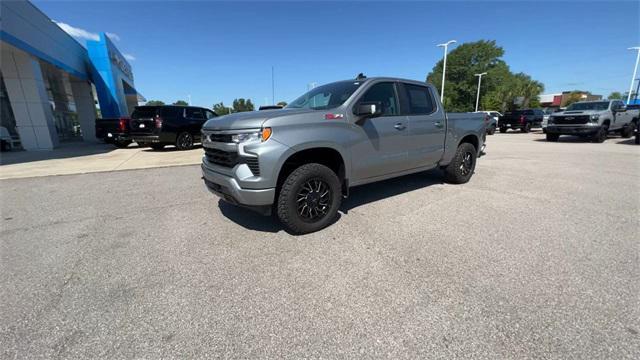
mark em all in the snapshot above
pixel 62 102
pixel 8 121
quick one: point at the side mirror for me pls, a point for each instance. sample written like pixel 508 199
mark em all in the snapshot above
pixel 369 109
pixel 621 109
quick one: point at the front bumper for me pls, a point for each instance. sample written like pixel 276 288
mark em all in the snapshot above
pixel 572 129
pixel 229 190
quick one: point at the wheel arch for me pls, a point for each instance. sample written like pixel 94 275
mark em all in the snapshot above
pixel 325 154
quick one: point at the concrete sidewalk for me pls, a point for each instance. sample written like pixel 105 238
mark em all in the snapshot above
pixel 79 158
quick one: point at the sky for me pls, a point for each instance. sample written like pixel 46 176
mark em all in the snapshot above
pixel 218 51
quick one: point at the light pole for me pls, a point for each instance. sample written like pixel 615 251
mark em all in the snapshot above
pixel 479 82
pixel 635 70
pixel 444 65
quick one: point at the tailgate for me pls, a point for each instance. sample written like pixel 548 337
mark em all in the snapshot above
pixel 105 126
pixel 143 120
pixel 142 126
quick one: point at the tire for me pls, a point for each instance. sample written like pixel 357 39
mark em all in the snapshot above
pixel 5 146
pixel 503 129
pixel 553 137
pixel 293 214
pixel 492 130
pixel 461 168
pixel 184 141
pixel 121 144
pixel 601 135
pixel 627 130
pixel 157 147
pixel 526 128
pixel 143 145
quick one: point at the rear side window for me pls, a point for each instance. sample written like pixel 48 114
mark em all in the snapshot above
pixel 195 113
pixel 420 100
pixel 144 112
pixel 170 112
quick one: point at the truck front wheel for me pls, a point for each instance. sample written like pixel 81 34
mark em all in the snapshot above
pixel 627 130
pixel 309 199
pixel 601 135
pixel 553 137
pixel 461 168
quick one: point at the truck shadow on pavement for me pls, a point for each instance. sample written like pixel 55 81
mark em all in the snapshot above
pixel 358 196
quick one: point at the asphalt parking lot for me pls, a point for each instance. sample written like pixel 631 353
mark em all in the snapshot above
pixel 537 257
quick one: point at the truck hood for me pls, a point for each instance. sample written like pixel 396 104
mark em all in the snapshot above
pixel 580 112
pixel 249 119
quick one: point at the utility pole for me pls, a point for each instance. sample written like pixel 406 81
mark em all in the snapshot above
pixel 479 82
pixel 635 70
pixel 444 65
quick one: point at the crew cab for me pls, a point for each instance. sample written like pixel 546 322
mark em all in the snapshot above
pixel 158 126
pixel 300 162
pixel 114 131
pixel 593 119
pixel 524 119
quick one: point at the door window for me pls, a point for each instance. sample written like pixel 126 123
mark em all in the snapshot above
pixel 170 112
pixel 420 100
pixel 210 114
pixel 385 94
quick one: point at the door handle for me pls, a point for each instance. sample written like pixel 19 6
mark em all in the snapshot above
pixel 400 126
pixel 438 124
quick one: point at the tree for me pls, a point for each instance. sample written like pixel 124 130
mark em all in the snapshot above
pixel 573 97
pixel 181 103
pixel 241 104
pixel 154 103
pixel 615 95
pixel 220 109
pixel 282 103
pixel 500 88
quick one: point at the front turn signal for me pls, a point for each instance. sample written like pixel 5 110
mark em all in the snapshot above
pixel 266 134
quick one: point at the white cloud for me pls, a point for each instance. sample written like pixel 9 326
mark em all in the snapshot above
pixel 113 36
pixel 77 32
pixel 129 57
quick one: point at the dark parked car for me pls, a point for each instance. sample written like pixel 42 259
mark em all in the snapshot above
pixel 114 131
pixel 637 127
pixel 524 120
pixel 158 126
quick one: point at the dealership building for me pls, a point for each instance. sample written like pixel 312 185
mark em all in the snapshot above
pixel 52 87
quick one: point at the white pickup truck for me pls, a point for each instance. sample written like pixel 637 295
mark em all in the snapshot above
pixel 593 119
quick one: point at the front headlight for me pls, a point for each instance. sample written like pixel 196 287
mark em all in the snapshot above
pixel 262 135
pixel 595 117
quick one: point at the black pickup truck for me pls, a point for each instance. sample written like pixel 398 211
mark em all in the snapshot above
pixel 114 131
pixel 524 120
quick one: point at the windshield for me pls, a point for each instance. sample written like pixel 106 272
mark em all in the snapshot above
pixel 600 105
pixel 326 96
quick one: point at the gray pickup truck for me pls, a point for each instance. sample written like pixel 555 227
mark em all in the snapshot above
pixel 593 120
pixel 300 162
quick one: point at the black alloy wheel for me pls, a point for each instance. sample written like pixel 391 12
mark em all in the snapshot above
pixel 184 141
pixel 314 200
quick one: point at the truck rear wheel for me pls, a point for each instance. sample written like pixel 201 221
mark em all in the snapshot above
pixel 121 144
pixel 492 130
pixel 627 130
pixel 526 128
pixel 553 137
pixel 503 129
pixel 309 199
pixel 461 168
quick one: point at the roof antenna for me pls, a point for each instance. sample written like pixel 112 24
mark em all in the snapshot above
pixel 360 77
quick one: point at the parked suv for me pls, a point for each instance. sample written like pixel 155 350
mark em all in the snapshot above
pixel 301 161
pixel 493 121
pixel 593 119
pixel 524 120
pixel 158 126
